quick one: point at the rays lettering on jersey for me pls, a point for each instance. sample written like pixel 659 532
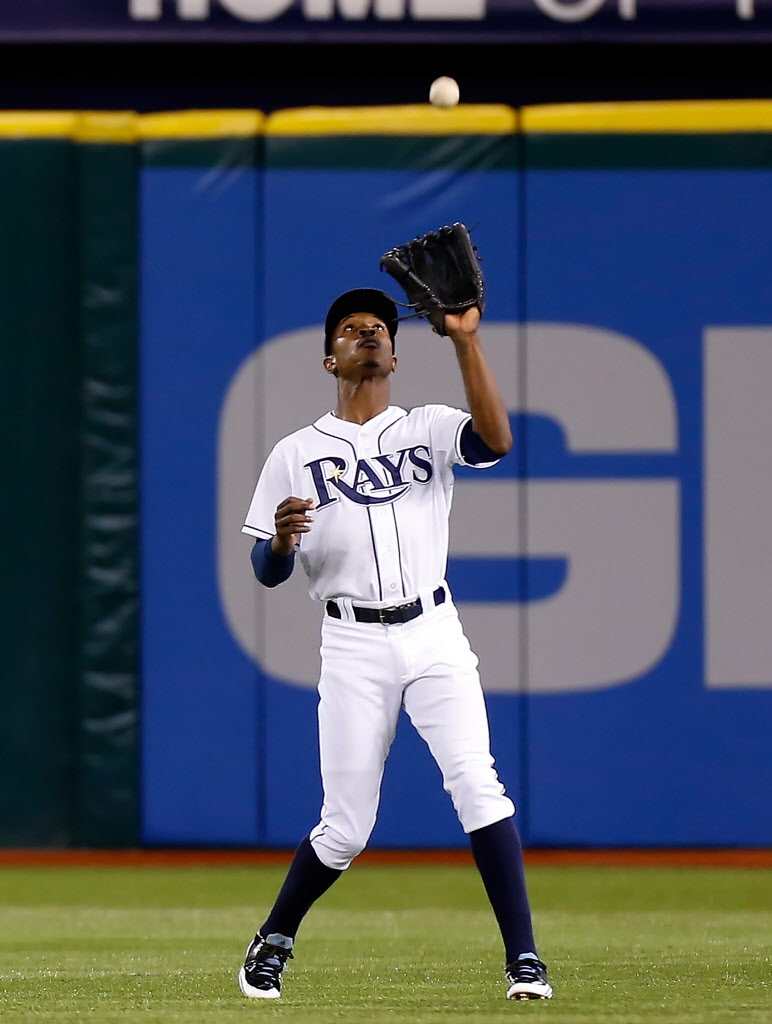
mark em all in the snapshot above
pixel 377 481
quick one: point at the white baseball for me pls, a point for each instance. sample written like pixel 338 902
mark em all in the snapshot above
pixel 444 92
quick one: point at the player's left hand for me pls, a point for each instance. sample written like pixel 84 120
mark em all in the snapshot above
pixel 461 325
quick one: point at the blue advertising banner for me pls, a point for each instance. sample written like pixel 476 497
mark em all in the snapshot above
pixel 387 20
pixel 620 604
pixel 231 360
pixel 199 207
pixel 649 359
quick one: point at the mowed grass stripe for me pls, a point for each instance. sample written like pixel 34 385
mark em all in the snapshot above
pixel 402 945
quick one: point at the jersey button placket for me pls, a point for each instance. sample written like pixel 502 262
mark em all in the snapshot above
pixel 392 577
pixel 383 523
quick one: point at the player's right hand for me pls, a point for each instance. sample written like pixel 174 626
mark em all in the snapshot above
pixel 291 519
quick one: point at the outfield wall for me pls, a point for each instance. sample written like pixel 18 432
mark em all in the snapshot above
pixel 169 276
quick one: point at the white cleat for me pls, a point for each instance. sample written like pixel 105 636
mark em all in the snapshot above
pixel 264 963
pixel 256 993
pixel 527 979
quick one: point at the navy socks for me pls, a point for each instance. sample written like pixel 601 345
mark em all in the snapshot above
pixel 307 880
pixel 498 854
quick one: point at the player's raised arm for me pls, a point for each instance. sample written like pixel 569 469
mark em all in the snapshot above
pixel 441 276
pixel 490 418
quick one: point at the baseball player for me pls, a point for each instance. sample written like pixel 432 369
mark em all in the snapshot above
pixel 362 497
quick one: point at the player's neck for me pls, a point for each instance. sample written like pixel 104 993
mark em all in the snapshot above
pixel 360 402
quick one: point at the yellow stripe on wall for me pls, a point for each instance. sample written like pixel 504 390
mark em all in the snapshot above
pixel 201 124
pixel 106 126
pixel 692 116
pixel 699 116
pixel 417 119
pixel 45 124
pixel 81 126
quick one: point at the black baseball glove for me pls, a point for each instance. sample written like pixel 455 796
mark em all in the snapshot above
pixel 439 272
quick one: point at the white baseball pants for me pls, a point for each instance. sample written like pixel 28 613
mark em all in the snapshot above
pixel 368 673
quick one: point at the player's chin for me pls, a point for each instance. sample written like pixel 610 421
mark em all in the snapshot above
pixel 375 367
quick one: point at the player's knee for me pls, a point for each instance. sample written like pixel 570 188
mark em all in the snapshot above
pixel 479 797
pixel 336 850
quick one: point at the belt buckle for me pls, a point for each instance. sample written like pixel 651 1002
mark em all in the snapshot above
pixel 382 612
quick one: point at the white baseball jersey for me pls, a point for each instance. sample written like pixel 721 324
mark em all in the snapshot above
pixel 382 494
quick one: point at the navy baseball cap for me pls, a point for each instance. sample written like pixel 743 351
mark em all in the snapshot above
pixel 361 300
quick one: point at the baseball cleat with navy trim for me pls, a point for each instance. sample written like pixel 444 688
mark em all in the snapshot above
pixel 527 978
pixel 264 963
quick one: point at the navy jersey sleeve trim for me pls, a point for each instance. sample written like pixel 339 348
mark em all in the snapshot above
pixel 473 449
pixel 255 531
pixel 269 568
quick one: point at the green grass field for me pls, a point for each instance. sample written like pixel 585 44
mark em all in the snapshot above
pixel 397 944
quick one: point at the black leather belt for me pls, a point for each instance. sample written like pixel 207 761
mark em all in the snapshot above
pixel 388 616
